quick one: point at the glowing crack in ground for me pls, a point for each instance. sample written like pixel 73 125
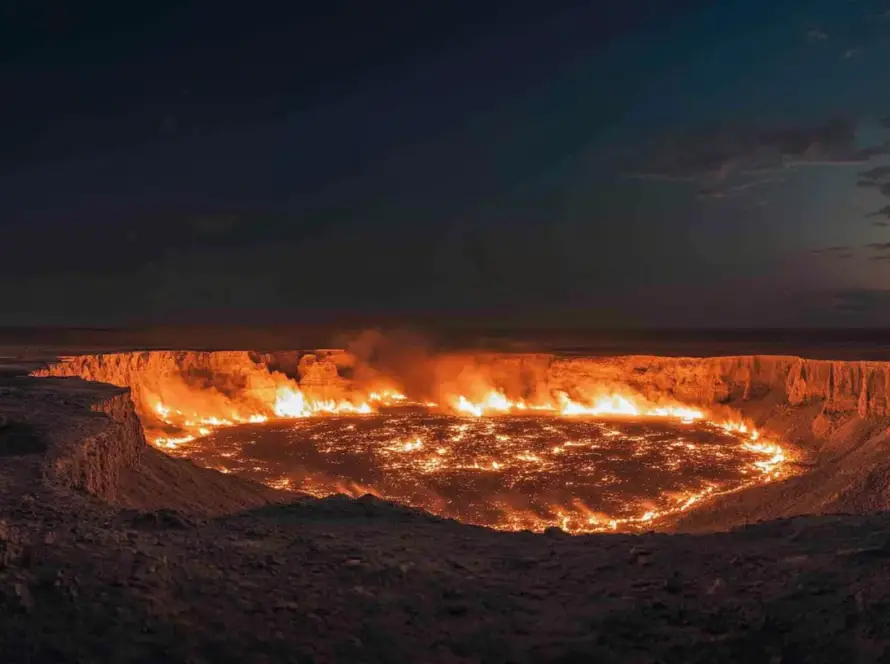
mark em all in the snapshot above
pixel 510 472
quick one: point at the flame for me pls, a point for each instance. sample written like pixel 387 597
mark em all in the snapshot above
pixel 289 403
pixel 293 403
pixel 387 397
pixel 579 519
pixel 614 404
pixel 172 442
pixel 186 418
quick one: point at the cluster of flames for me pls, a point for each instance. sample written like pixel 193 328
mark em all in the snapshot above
pixel 288 403
pixel 292 403
pixel 611 405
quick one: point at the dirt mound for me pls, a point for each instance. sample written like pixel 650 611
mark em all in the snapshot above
pixel 86 436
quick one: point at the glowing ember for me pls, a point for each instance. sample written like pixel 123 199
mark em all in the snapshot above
pixel 508 472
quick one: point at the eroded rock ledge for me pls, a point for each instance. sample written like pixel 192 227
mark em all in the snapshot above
pixel 88 438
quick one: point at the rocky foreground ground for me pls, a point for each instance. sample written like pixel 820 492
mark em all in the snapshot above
pixel 112 552
pixel 361 581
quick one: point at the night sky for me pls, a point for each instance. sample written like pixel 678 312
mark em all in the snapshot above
pixel 677 163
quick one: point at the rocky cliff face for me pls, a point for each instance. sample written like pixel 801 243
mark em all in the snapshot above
pixel 84 434
pixel 89 440
pixel 802 400
pixel 859 388
pixel 763 388
pixel 847 387
pixel 92 457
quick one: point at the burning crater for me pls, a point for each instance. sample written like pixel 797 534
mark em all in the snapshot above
pixel 510 442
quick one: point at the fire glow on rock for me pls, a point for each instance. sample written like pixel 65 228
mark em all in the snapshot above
pixel 187 399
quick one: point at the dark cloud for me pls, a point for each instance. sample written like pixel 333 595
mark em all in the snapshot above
pixel 732 189
pixel 883 212
pixel 832 141
pixel 214 225
pixel 866 306
pixel 881 224
pixel 841 252
pixel 716 154
pixel 877 150
pixel 710 193
pixel 881 257
pixel 850 307
pixel 878 177
pixel 885 121
pixel 835 253
pixel 878 172
pixel 878 246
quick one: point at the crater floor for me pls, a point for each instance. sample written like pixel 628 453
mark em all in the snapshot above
pixel 507 472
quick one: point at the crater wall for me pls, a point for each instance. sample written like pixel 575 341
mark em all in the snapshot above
pixel 91 441
pixel 834 414
pixel 762 388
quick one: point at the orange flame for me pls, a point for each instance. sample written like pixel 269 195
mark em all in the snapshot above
pixel 286 399
pixel 495 401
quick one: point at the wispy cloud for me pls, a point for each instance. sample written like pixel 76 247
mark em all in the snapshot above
pixel 877 172
pixel 729 159
pixel 883 212
pixel 870 304
pixel 815 35
pixel 878 178
pixel 840 251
